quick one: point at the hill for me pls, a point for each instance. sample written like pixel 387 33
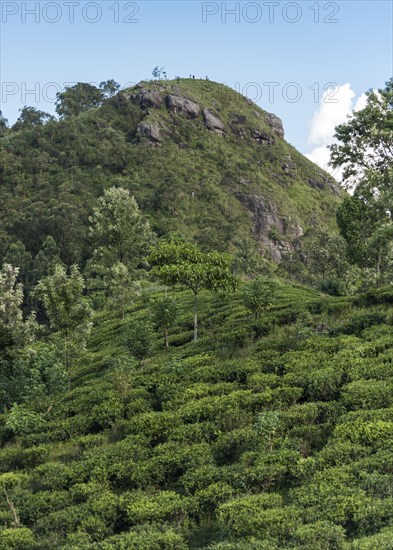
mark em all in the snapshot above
pixel 265 434
pixel 199 158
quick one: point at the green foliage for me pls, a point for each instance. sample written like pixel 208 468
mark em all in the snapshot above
pixel 118 230
pixel 17 539
pixel 320 535
pixel 364 150
pixel 68 310
pixel 267 425
pixel 139 339
pixel 166 506
pixel 262 516
pixel 78 98
pixel 164 314
pixel 179 262
pixel 30 117
pixel 365 141
pixel 327 255
pixel 22 421
pixel 259 294
pixel 16 336
pixel 11 298
pixel 284 445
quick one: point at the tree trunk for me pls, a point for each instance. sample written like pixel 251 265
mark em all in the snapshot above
pixel 12 509
pixel 195 317
pixel 166 341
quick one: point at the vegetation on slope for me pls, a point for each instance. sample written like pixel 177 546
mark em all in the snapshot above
pixel 267 433
pixel 219 190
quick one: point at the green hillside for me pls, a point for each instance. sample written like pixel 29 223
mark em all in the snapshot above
pixel 267 433
pixel 199 158
pixel 191 356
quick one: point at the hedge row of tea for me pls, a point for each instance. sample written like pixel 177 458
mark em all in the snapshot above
pixel 265 434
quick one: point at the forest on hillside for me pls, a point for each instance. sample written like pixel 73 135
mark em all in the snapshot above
pixel 166 382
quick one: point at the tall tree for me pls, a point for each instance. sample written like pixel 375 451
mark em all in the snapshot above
pixel 119 230
pixel 364 150
pixel 78 98
pixel 357 220
pixel 365 143
pixel 109 88
pixel 11 299
pixel 3 124
pixel 179 262
pixel 327 255
pixel 16 335
pixel 68 310
pixel 30 117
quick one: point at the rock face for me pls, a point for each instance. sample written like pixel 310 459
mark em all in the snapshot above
pixel 263 215
pixel 275 124
pixel 179 104
pixel 213 122
pixel 239 119
pixel 148 99
pixel 262 137
pixel 323 182
pixel 266 220
pixel 289 167
pixel 150 131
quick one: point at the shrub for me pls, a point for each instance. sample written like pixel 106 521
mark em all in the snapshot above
pixel 144 537
pixel 262 516
pixel 17 539
pixel 321 535
pixel 166 506
pixel 334 287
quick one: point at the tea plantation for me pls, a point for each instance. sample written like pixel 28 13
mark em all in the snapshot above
pixel 267 433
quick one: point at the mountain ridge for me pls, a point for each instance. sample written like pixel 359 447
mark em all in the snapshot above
pixel 199 158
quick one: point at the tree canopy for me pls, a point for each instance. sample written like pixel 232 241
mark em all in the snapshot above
pixel 177 261
pixel 365 144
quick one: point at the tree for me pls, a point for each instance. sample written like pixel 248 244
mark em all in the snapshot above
pixel 164 314
pixel 3 124
pixel 159 72
pixel 379 248
pixel 327 255
pixel 68 310
pixel 177 261
pixel 357 219
pixel 78 98
pixel 30 117
pixel 139 338
pixel 259 294
pixel 20 331
pixel 16 336
pixel 119 230
pixel 17 254
pixel 21 420
pixel 46 258
pixel 122 290
pixel 109 88
pixel 365 152
pixel 365 142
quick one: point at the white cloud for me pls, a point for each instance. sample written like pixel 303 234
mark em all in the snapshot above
pixel 334 108
pixel 360 103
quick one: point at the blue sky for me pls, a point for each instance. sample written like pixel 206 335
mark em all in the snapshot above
pixel 300 46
